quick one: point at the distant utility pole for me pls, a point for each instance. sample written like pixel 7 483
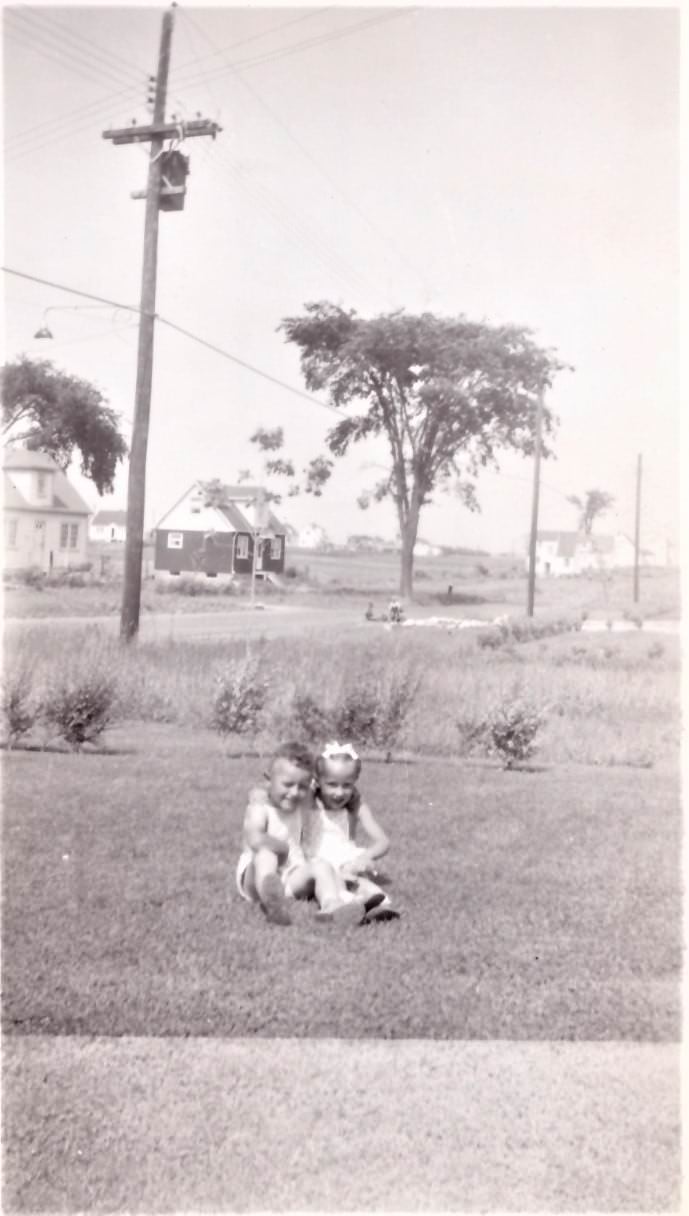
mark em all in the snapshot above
pixel 165 190
pixel 534 504
pixel 637 530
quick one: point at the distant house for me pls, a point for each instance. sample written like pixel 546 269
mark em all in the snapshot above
pixel 109 527
pixel 46 520
pixel 313 536
pixel 216 536
pixel 424 548
pixel 560 553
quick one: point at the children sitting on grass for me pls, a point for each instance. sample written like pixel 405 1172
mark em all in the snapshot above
pixel 338 811
pixel 272 867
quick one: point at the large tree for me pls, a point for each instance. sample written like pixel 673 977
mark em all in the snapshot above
pixel 447 393
pixel 593 504
pixel 50 411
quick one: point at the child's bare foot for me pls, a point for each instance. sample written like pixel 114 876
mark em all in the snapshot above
pixel 345 914
pixel 274 901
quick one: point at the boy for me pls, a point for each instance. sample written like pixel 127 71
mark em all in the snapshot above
pixel 272 867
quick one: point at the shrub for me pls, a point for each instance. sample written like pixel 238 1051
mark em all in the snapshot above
pixel 513 727
pixel 80 705
pixel 474 734
pixel 310 718
pixel 241 691
pixel 374 712
pixel 20 707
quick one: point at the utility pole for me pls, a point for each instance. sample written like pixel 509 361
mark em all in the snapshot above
pixel 534 504
pixel 637 530
pixel 162 193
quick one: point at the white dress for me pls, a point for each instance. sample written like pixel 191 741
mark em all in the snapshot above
pixel 284 825
pixel 329 836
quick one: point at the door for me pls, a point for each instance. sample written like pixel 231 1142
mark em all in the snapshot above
pixel 39 542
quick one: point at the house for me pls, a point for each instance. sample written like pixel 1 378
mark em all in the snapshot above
pixel 424 548
pixel 46 520
pixel 313 536
pixel 215 534
pixel 109 527
pixel 560 553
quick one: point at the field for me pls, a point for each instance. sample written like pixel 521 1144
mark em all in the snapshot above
pixel 517 1027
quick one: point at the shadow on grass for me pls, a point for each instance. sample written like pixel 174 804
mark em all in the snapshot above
pixel 64 749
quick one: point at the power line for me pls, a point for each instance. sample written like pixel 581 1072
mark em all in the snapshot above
pixel 41 41
pixel 131 91
pixel 349 202
pixel 87 295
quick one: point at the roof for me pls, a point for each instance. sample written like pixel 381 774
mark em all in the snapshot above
pixel 65 497
pixel 22 458
pixel 101 518
pixel 237 497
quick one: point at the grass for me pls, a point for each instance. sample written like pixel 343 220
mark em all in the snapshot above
pixel 607 700
pixel 482 587
pixel 541 905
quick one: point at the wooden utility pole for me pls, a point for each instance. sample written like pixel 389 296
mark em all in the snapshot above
pixel 534 505
pixel 637 530
pixel 160 194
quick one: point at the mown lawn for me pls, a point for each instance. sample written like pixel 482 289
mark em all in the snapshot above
pixel 540 905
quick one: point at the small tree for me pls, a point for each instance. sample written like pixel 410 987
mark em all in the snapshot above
pixel 593 504
pixel 50 411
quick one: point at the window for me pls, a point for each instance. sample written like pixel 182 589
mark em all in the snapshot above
pixel 40 485
pixel 175 540
pixel 64 535
pixel 275 549
pixel 242 546
pixel 12 527
pixel 73 535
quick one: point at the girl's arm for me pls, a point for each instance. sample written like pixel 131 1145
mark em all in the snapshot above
pixel 255 834
pixel 378 843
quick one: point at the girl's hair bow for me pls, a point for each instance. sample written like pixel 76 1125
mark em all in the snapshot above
pixel 339 749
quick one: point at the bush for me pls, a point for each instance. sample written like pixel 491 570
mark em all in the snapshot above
pixel 241 692
pixel 513 727
pixel 20 707
pixel 80 705
pixel 310 718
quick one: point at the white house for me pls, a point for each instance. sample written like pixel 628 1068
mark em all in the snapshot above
pixel 109 527
pixel 45 519
pixel 560 553
pixel 313 536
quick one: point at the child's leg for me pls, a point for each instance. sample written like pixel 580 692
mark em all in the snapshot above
pixel 320 878
pixel 263 878
pixel 369 893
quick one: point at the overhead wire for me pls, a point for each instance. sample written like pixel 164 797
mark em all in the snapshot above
pixel 295 226
pixel 313 160
pixel 77 37
pixel 89 295
pixel 43 42
pixel 109 99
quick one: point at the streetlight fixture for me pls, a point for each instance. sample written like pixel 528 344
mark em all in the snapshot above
pixel 44 330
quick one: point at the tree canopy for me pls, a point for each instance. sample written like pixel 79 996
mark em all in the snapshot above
pixel 50 411
pixel 447 393
pixel 593 504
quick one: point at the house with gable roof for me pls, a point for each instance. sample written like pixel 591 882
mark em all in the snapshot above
pixel 560 553
pixel 109 527
pixel 45 519
pixel 216 534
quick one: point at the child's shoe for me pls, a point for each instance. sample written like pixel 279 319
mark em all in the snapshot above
pixel 375 900
pixel 345 914
pixel 274 901
pixel 381 911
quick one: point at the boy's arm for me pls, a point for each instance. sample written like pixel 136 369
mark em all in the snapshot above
pixel 378 843
pixel 255 834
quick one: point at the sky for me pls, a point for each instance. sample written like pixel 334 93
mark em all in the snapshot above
pixel 510 165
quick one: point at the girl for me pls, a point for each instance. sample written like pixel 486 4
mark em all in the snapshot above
pixel 338 811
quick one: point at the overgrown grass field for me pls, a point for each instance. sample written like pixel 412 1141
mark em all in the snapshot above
pixel 540 904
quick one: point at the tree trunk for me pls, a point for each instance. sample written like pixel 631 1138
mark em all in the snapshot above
pixel 408 531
